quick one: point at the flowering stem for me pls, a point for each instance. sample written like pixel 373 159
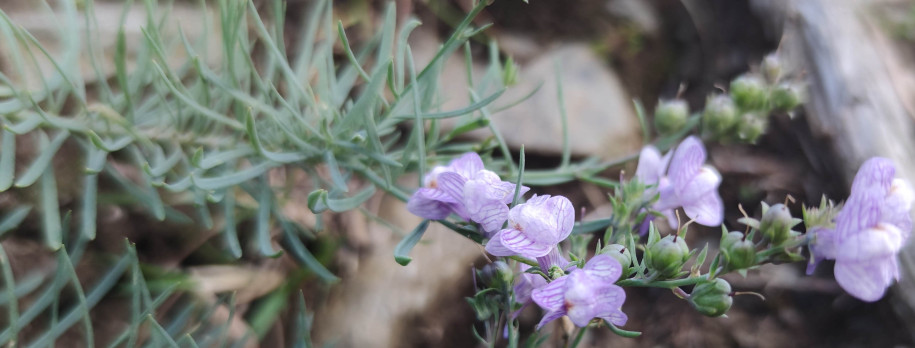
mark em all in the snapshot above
pixel 524 260
pixel 578 337
pixel 662 283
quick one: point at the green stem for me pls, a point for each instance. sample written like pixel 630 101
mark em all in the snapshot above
pixel 669 284
pixel 578 337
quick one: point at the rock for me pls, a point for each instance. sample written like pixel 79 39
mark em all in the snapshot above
pixel 373 303
pixel 601 119
pixel 47 29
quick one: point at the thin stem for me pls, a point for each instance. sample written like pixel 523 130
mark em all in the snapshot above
pixel 662 283
pixel 578 337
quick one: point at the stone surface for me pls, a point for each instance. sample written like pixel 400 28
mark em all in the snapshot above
pixel 48 28
pixel 372 303
pixel 601 118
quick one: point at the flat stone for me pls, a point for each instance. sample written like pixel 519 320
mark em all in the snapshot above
pixel 601 117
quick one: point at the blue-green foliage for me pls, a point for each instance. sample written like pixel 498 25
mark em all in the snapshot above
pixel 205 135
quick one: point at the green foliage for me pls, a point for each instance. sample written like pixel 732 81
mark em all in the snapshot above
pixel 210 135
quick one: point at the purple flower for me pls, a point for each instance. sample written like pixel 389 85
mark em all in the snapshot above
pixel 466 189
pixel 534 227
pixel 683 180
pixel 870 230
pixel 584 294
pixel 434 202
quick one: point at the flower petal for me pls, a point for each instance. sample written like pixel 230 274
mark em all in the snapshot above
pixel 880 241
pixel 550 316
pixel 424 203
pixel 453 184
pixel 494 246
pixel 861 211
pixel 875 172
pixel 563 216
pixel 866 281
pixel 467 165
pixel 898 205
pixel 823 247
pixel 706 180
pixel 616 317
pixel 649 169
pixel 551 297
pixel 489 213
pixel 519 242
pixel 706 210
pixel 688 158
pixel 604 267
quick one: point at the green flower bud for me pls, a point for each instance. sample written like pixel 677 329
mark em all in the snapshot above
pixel 738 251
pixel 751 127
pixel 670 115
pixel 555 272
pixel 712 298
pixel 749 92
pixel 776 224
pixel 786 96
pixel 771 67
pixel 667 256
pixel 720 115
pixel 620 254
pixel 497 275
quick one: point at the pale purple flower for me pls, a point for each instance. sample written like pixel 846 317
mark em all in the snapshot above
pixel 534 227
pixel 870 230
pixel 466 189
pixel 683 180
pixel 433 202
pixel 585 294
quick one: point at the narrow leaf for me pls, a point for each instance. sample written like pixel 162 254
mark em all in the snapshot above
pixel 402 250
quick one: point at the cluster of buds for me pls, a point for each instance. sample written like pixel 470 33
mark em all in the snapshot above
pixel 743 113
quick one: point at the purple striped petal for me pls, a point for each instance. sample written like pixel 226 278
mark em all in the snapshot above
pixel 552 296
pixel 706 180
pixel 519 242
pixel 875 172
pixel 861 211
pixel 617 317
pixel 604 267
pixel 494 246
pixel 453 184
pixel 467 165
pixel 688 159
pixel 550 316
pixel 489 213
pixel 823 247
pixel 867 281
pixel 563 214
pixel 426 204
pixel 706 210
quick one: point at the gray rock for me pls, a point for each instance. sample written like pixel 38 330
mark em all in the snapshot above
pixel 601 118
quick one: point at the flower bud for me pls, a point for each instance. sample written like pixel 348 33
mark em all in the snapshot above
pixel 771 66
pixel 738 251
pixel 786 96
pixel 620 254
pixel 720 114
pixel 497 275
pixel 752 125
pixel 776 224
pixel 667 256
pixel 670 115
pixel 749 92
pixel 712 298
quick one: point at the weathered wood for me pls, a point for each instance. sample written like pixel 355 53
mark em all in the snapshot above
pixel 859 93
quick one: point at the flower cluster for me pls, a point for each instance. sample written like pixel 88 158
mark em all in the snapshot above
pixel 682 179
pixel 463 187
pixel 869 231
